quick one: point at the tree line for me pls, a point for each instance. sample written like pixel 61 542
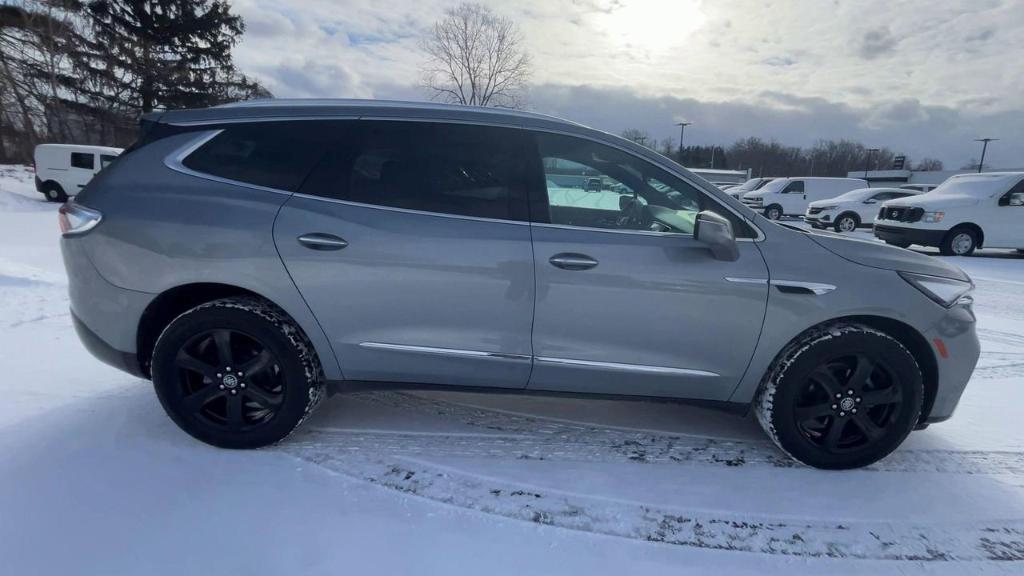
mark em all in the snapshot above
pixel 771 158
pixel 85 71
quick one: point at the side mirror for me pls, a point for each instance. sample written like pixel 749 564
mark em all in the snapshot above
pixel 717 233
pixel 871 201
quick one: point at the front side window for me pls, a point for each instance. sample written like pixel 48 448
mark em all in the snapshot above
pixel 794 187
pixel 593 185
pixel 455 169
pixel 83 160
pixel 276 155
pixel 883 196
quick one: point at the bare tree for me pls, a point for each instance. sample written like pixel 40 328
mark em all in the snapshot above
pixel 476 58
pixel 639 136
pixel 929 165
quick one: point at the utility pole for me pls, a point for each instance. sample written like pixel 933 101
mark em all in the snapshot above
pixel 867 161
pixel 712 156
pixel 682 132
pixel 984 147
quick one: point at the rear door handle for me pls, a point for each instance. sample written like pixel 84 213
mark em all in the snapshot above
pixel 319 241
pixel 572 261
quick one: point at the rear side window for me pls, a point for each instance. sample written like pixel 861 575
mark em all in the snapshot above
pixel 272 154
pixel 457 169
pixel 106 160
pixel 83 160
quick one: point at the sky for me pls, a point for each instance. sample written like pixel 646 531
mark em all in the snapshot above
pixel 923 77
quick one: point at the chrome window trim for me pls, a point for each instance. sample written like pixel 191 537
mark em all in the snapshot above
pixel 746 280
pixel 175 159
pixel 626 367
pixel 444 351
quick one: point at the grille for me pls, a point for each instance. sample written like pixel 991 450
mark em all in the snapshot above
pixel 901 214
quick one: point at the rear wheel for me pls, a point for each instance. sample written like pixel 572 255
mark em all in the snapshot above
pixel 846 223
pixel 773 212
pixel 236 373
pixel 843 396
pixel 959 242
pixel 54 193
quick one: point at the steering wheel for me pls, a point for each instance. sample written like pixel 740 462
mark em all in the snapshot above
pixel 633 213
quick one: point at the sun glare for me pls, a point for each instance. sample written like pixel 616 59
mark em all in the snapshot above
pixel 654 25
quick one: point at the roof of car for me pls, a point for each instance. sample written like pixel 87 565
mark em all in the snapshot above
pixel 298 108
pixel 81 147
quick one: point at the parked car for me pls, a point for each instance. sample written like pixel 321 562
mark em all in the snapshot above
pixel 248 258
pixel 791 196
pixel 748 186
pixel 922 188
pixel 847 212
pixel 966 212
pixel 64 169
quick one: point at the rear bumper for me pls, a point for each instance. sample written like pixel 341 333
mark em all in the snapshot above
pixel 39 184
pixel 104 352
pixel 901 235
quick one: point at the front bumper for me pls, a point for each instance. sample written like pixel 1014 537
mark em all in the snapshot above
pixel 959 340
pixel 902 235
pixel 818 220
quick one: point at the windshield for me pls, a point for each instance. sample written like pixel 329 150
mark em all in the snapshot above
pixel 978 185
pixel 855 194
pixel 748 185
pixel 774 186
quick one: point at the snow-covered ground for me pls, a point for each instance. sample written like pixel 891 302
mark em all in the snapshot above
pixel 96 480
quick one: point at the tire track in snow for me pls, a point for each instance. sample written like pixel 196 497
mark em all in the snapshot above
pixel 542 439
pixel 871 540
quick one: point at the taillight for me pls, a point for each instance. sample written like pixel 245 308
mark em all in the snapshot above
pixel 76 219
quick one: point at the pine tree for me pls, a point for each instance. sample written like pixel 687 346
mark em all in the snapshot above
pixel 151 54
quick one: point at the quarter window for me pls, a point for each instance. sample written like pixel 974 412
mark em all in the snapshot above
pixel 592 185
pixel 83 160
pixel 272 154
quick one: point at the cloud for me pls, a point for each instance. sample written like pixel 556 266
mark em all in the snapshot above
pixel 876 43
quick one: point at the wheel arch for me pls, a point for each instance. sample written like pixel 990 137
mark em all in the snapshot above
pixel 852 214
pixel 904 333
pixel 972 226
pixel 171 303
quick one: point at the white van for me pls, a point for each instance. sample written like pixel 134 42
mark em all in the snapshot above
pixel 791 196
pixel 64 169
pixel 966 212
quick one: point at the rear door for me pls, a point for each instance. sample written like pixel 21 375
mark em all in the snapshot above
pixel 628 302
pixel 411 245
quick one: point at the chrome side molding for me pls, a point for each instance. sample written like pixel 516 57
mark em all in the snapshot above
pixel 789 286
pixel 443 351
pixel 668 370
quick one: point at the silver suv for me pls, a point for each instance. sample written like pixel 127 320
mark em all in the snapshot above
pixel 250 258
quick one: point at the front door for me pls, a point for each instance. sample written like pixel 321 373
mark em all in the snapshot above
pixel 1005 225
pixel 628 302
pixel 410 244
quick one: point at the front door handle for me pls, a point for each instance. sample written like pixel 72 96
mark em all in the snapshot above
pixel 572 261
pixel 319 241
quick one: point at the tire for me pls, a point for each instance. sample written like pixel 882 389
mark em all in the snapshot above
pixel 274 383
pixel 846 223
pixel 773 212
pixel 959 242
pixel 898 244
pixel 795 403
pixel 54 193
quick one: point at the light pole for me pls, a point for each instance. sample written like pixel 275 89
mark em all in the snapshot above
pixel 984 147
pixel 867 161
pixel 682 131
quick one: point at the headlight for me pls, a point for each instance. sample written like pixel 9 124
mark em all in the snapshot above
pixel 945 291
pixel 933 217
pixel 823 208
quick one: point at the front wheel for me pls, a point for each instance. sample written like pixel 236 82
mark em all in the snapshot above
pixel 959 242
pixel 236 373
pixel 773 212
pixel 843 396
pixel 846 223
